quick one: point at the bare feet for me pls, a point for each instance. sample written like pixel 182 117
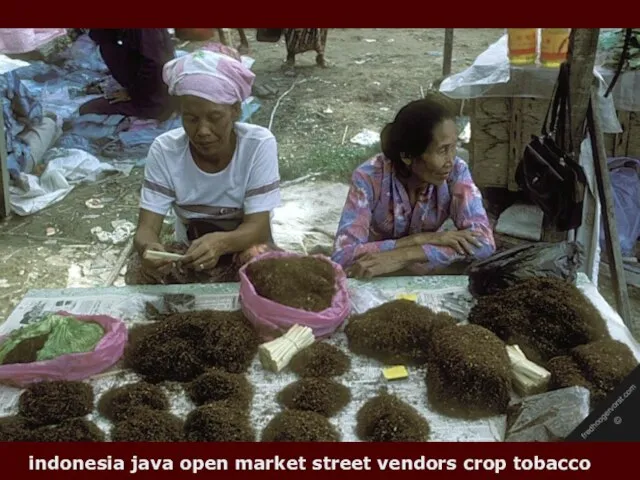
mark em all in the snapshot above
pixel 321 61
pixel 289 65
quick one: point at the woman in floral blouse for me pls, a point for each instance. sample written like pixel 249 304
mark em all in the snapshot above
pixel 399 200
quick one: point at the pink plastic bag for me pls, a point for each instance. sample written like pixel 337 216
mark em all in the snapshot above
pixel 271 318
pixel 74 366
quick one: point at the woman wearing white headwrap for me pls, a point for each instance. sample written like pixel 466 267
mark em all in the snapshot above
pixel 220 176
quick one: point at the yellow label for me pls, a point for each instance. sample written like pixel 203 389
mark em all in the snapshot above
pixel 555 44
pixel 522 41
pixel 395 373
pixel 407 296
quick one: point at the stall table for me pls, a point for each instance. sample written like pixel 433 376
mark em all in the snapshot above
pixel 507 105
pixel 444 293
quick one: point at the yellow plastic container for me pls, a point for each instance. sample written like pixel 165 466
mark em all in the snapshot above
pixel 554 46
pixel 523 45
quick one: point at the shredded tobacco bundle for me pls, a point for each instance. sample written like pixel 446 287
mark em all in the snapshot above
pixel 469 373
pixel 299 426
pixel 544 317
pixel 71 430
pixel 216 385
pixel 599 366
pixel 117 403
pixel 183 345
pixel 386 418
pixel 147 425
pixel 320 360
pixel 47 403
pixel 306 283
pixel 397 332
pixel 319 395
pixel 216 422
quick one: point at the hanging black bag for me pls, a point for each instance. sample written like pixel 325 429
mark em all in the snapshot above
pixel 548 172
pixel 268 35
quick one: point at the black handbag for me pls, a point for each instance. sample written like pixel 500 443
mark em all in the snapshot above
pixel 548 173
pixel 268 35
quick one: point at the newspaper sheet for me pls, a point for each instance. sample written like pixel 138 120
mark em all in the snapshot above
pixel 364 379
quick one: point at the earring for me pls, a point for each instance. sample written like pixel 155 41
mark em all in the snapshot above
pixel 406 161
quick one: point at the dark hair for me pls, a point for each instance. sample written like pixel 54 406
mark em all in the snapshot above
pixel 411 132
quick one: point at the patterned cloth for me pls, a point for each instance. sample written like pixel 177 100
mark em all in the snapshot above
pixel 378 211
pixel 213 76
pixel 301 40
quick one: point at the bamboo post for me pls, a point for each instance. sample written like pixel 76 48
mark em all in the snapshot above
pixel 115 271
pixel 5 204
pixel 605 192
pixel 447 56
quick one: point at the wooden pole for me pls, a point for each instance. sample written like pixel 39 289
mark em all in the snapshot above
pixel 583 44
pixel 115 271
pixel 448 52
pixel 605 192
pixel 5 204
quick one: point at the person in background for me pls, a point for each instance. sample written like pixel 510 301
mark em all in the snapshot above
pixel 399 200
pixel 301 40
pixel 220 176
pixel 209 34
pixel 135 58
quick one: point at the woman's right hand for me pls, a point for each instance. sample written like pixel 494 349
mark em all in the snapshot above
pixel 160 265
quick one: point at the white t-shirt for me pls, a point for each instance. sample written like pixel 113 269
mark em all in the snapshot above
pixel 249 184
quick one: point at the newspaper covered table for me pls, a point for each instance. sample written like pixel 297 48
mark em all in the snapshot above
pixel 446 293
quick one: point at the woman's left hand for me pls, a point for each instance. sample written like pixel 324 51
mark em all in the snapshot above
pixel 204 253
pixel 377 264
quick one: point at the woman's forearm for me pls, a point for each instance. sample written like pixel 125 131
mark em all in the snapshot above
pixel 412 254
pixel 144 237
pixel 242 238
pixel 416 240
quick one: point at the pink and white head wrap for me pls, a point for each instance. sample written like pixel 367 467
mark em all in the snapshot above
pixel 210 75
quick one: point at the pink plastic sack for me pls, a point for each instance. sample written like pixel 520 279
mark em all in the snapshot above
pixel 74 366
pixel 271 319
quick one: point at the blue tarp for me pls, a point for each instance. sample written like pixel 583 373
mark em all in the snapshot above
pixel 29 92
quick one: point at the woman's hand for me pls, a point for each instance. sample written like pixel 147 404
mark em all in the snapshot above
pixel 462 241
pixel 159 265
pixel 204 252
pixel 119 96
pixel 373 265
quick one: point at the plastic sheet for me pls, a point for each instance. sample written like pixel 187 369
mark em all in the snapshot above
pixel 73 366
pixel 551 260
pixel 84 54
pixel 65 335
pixel 547 417
pixel 491 75
pixel 65 167
pixel 364 298
pixel 40 138
pixel 8 64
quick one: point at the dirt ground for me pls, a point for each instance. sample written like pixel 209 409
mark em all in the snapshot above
pixel 372 72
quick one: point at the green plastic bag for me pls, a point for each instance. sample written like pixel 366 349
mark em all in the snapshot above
pixel 66 335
